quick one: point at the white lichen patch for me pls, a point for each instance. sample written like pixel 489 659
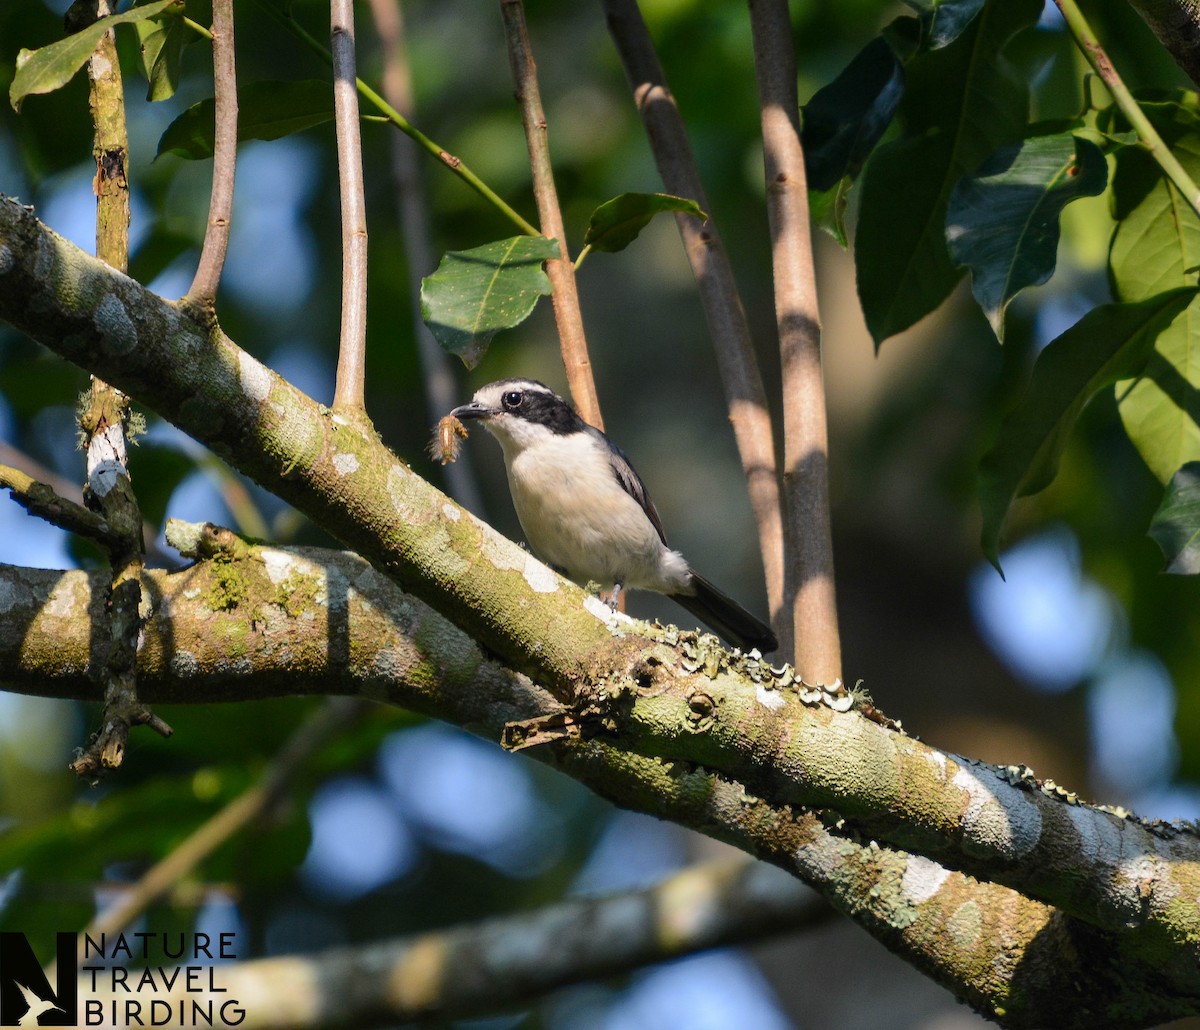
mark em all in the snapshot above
pixel 999 819
pixel 345 463
pixel 279 564
pixel 67 597
pixel 541 578
pixel 412 502
pixel 254 376
pixel 451 512
pixel 922 878
pixel 1099 834
pixel 1149 878
pixel 966 925
pixel 106 460
pixel 938 760
pixel 768 698
pixel 598 608
pixel 502 552
pixel 112 322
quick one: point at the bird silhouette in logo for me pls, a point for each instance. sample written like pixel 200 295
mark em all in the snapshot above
pixel 37 1007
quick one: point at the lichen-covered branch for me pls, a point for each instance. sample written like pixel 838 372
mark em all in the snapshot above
pixel 309 621
pixel 664 722
pixel 41 500
pixel 340 475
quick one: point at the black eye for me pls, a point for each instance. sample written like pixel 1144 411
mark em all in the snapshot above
pixel 511 400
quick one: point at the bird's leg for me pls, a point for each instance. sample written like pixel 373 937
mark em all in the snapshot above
pixel 614 599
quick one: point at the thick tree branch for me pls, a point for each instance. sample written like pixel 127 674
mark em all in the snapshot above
pixel 341 476
pixel 510 961
pixel 674 726
pixel 310 621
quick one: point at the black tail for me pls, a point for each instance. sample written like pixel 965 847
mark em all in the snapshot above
pixel 726 616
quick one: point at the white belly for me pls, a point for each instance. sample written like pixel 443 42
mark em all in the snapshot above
pixel 576 516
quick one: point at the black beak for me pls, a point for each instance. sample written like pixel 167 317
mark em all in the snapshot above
pixel 472 410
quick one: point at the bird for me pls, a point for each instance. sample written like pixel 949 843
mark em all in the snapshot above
pixel 585 510
pixel 37 1007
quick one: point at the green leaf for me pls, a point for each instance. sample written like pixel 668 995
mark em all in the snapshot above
pixel 1176 525
pixel 616 223
pixel 266 110
pixel 961 104
pixel 1156 247
pixel 1110 343
pixel 1002 223
pixel 943 21
pixel 160 52
pixel 828 209
pixel 50 67
pixel 845 119
pixel 476 293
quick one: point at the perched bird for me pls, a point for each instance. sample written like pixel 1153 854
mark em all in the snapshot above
pixel 585 510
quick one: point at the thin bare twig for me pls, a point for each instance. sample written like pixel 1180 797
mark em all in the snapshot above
pixel 560 270
pixel 352 350
pixel 203 292
pixel 451 161
pixel 744 392
pixel 437 376
pixel 331 718
pixel 809 602
pixel 104 420
pixel 41 500
pixel 69 491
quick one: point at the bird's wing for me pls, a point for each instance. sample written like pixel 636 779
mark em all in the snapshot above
pixel 630 481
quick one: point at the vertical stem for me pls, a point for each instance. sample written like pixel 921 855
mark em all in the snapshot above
pixel 441 387
pixel 203 292
pixel 104 419
pixel 809 600
pixel 351 369
pixel 560 270
pixel 745 395
pixel 1096 56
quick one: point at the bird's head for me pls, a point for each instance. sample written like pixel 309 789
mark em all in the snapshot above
pixel 520 412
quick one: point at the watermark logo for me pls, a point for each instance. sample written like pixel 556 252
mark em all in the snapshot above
pixel 128 980
pixel 26 997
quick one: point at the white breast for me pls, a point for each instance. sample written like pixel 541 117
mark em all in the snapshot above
pixel 576 516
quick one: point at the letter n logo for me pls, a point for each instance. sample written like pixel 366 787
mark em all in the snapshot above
pixel 25 995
